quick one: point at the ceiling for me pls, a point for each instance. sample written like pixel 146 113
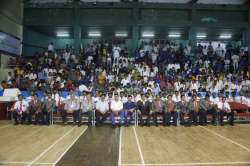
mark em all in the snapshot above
pixel 219 2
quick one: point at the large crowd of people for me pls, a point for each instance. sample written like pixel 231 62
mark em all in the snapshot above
pixel 161 78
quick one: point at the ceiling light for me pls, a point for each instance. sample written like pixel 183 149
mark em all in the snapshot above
pixel 174 35
pixel 94 34
pixel 62 34
pixel 201 36
pixel 148 34
pixel 121 34
pixel 225 36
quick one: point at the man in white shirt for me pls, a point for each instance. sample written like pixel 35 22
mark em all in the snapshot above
pixel 51 47
pixel 224 109
pixel 102 109
pixel 116 107
pixel 235 59
pixel 20 110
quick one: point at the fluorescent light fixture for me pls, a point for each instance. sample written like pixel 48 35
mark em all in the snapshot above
pixel 174 35
pixel 121 34
pixel 201 36
pixel 94 34
pixel 148 34
pixel 62 34
pixel 225 36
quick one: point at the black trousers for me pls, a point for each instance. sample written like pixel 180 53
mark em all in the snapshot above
pixel 22 117
pixel 77 116
pixel 64 115
pixel 228 114
pixel 147 120
pixel 167 118
pixel 101 117
pixel 202 117
pixel 47 117
pixel 182 120
pixel 130 115
pixel 39 119
pixel 194 117
pixel 213 113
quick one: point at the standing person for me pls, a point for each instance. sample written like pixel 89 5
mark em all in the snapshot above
pixel 87 108
pixel 20 110
pixel 184 111
pixel 49 108
pixel 194 107
pixel 157 108
pixel 129 108
pixel 169 111
pixel 36 107
pixel 116 107
pixel 225 110
pixel 102 110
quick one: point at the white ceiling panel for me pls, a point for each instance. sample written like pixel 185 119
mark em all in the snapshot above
pixel 222 2
pixel 165 1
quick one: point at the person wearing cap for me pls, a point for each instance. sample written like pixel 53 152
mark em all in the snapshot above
pixel 116 107
pixel 101 109
pixel 169 111
pixel 20 110
pixel 129 108
pixel 225 110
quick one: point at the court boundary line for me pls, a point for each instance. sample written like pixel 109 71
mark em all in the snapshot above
pixel 50 147
pixel 227 139
pixel 23 162
pixel 139 147
pixel 120 148
pixel 191 164
pixel 67 149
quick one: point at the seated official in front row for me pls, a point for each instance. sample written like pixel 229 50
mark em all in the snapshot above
pixel 20 110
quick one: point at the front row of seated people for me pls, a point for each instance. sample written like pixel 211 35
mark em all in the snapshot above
pixel 190 112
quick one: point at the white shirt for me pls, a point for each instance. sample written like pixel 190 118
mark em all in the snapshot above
pixel 50 47
pixel 102 106
pixel 116 106
pixel 224 106
pixel 21 106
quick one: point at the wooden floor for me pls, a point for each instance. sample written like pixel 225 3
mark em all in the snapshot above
pixel 59 145
pixel 35 145
pixel 182 146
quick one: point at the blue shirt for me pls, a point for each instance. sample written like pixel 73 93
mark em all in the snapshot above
pixel 129 105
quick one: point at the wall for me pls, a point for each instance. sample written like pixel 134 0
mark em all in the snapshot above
pixel 38 42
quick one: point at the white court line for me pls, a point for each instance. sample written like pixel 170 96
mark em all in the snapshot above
pixel 139 147
pixel 50 147
pixel 225 138
pixel 120 148
pixel 191 164
pixel 22 162
pixel 69 147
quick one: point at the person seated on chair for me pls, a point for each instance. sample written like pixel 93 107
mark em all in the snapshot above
pixel 116 107
pixel 184 111
pixel 224 109
pixel 206 108
pixel 170 111
pixel 72 105
pixel 141 107
pixel 194 107
pixel 87 107
pixel 157 108
pixel 129 108
pixel 101 110
pixel 49 108
pixel 20 110
pixel 36 108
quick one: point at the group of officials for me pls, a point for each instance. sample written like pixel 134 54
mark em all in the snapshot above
pixel 192 111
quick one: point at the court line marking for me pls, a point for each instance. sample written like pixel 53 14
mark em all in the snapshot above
pixel 22 162
pixel 191 164
pixel 50 147
pixel 59 158
pixel 120 148
pixel 225 138
pixel 139 147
